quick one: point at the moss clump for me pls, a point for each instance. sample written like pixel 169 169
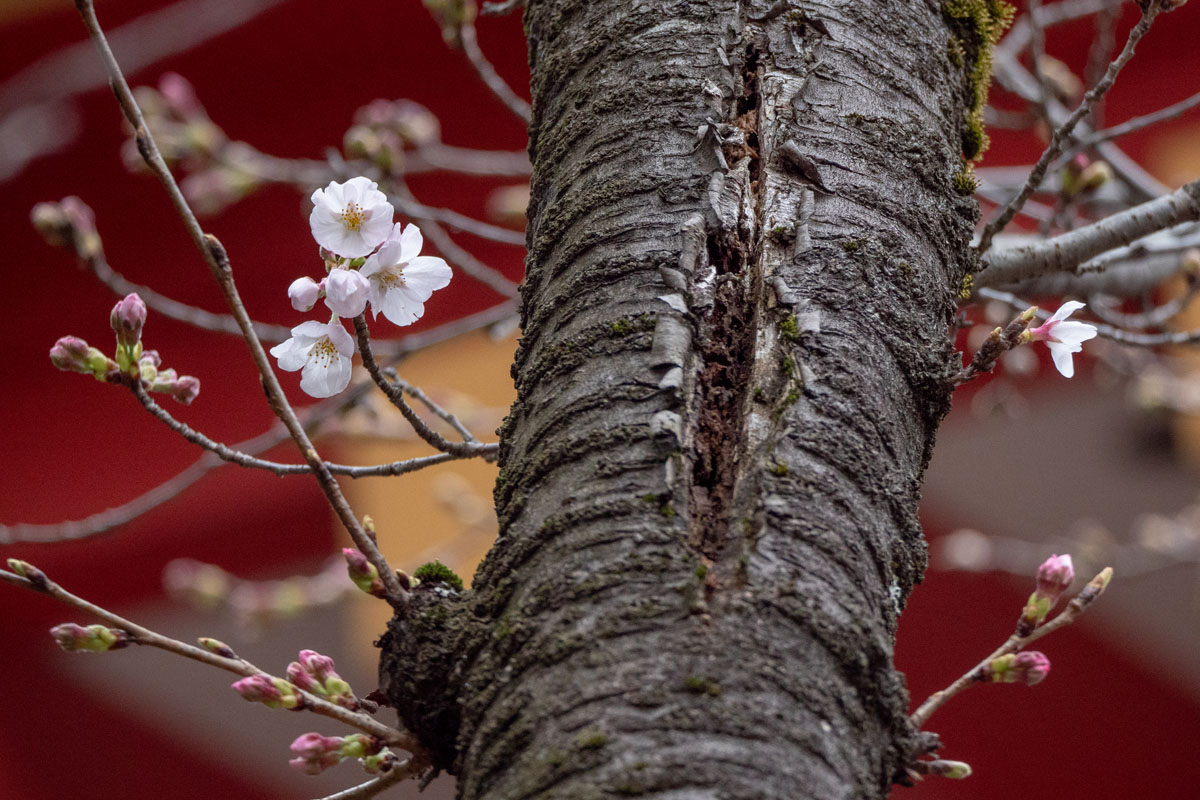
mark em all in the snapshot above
pixel 699 685
pixel 977 26
pixel 591 740
pixel 854 245
pixel 789 366
pixel 779 470
pixel 436 571
pixel 965 181
pixel 790 328
pixel 622 327
pixel 964 289
pixel 702 571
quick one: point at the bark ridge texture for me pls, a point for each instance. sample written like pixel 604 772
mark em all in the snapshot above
pixel 744 250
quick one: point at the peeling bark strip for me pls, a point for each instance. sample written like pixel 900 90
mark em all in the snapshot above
pixel 744 248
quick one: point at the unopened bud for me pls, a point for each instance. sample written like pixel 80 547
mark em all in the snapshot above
pixel 316 753
pixel 217 647
pixel 1029 668
pixel 72 354
pixel 947 769
pixel 363 573
pixel 29 572
pixel 127 318
pixel 383 761
pixel 271 692
pixel 1054 577
pixel 304 293
pixel 68 223
pixel 90 638
pixel 180 96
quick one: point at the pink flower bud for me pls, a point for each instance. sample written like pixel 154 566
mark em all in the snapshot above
pixel 1054 576
pixel 347 292
pixel 91 638
pixel 317 665
pixel 185 389
pixel 68 223
pixel 304 293
pixel 316 753
pixel 127 318
pixel 304 680
pixel 180 96
pixel 363 573
pixel 1029 668
pixel 28 571
pixel 271 692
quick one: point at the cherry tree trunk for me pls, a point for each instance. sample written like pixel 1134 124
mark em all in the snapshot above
pixel 744 251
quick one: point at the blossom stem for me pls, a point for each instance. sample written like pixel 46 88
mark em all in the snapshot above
pixel 218 263
pixel 1134 338
pixel 239 666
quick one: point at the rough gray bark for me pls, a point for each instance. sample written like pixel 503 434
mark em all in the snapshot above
pixel 744 251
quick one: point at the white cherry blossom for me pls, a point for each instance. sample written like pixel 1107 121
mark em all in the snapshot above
pixel 322 351
pixel 402 280
pixel 350 218
pixel 1064 337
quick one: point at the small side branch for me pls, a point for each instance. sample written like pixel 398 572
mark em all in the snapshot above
pixel 1063 131
pixel 36 580
pixel 1068 251
pixel 487 73
pixel 395 393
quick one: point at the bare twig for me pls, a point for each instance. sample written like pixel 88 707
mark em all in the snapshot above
pixel 1105 308
pixel 218 263
pixel 36 580
pixel 1077 606
pixel 1137 123
pixel 395 394
pixel 406 769
pixel 1063 131
pixel 417 393
pixel 487 73
pixel 451 250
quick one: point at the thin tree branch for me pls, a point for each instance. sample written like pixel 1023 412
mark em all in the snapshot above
pixel 1137 123
pixel 1015 643
pixel 419 394
pixel 243 459
pixel 406 769
pixel 395 394
pixel 487 73
pixel 1063 131
pixel 36 580
pixel 218 263
pixel 1067 251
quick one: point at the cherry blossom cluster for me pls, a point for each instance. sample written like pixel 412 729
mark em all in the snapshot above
pixel 316 753
pixel 369 260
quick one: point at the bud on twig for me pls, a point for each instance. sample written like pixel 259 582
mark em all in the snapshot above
pixel 217 647
pixel 91 638
pixel 363 573
pixel 72 354
pixel 271 692
pixel 1029 668
pixel 1053 578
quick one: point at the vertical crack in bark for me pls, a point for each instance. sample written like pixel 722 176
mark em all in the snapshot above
pixel 727 340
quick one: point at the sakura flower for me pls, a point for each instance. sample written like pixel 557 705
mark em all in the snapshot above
pixel 346 292
pixel 350 218
pixel 401 280
pixel 322 351
pixel 304 293
pixel 1064 337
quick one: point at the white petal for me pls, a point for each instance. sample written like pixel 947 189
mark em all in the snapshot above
pixel 426 274
pixel 1062 357
pixel 1065 310
pixel 292 354
pixel 326 380
pixel 402 307
pixel 310 331
pixel 342 340
pixel 1072 332
pixel 411 243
